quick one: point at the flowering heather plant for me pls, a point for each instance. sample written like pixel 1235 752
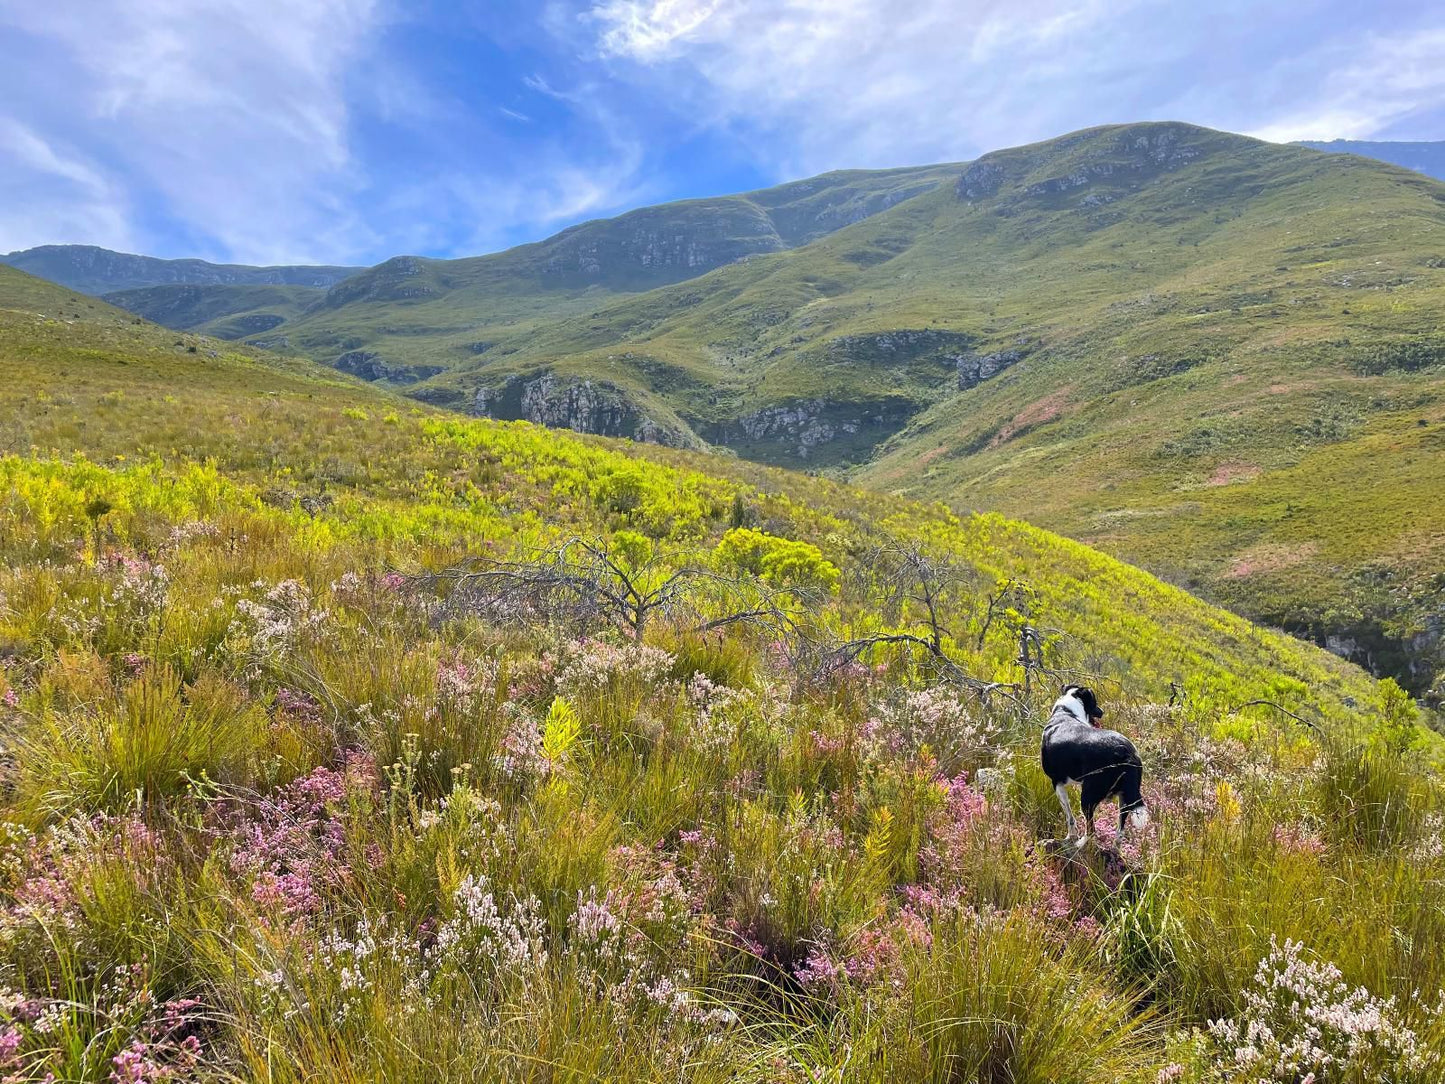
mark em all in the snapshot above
pixel 592 666
pixel 265 631
pixel 292 845
pixel 938 719
pixel 506 938
pixel 1301 1019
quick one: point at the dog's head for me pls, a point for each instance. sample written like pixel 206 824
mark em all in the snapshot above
pixel 1086 698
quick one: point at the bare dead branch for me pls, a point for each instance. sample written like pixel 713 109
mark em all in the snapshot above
pixel 1277 707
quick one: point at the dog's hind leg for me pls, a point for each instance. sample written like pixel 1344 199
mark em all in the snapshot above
pixel 1063 795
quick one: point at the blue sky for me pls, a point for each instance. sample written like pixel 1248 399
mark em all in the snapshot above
pixel 346 131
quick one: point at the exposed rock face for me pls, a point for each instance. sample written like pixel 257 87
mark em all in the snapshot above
pixel 584 406
pixel 973 369
pixel 834 217
pixel 805 428
pixel 903 345
pixel 1125 159
pixel 801 424
pixel 368 365
pixel 980 180
pixel 671 253
pixel 1416 660
pixel 574 405
pixel 924 347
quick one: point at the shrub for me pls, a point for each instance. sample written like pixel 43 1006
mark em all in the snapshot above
pixel 149 740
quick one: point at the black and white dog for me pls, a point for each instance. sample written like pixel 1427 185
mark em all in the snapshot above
pixel 1103 762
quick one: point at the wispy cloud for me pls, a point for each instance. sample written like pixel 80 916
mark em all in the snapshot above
pixel 232 114
pixel 48 192
pixel 827 83
pixel 1381 81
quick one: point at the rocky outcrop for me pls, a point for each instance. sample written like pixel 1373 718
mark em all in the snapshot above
pixel 584 406
pixel 1089 159
pixel 980 180
pixel 973 369
pixel 901 345
pixel 667 253
pixel 801 424
pixel 811 430
pixel 923 348
pixel 368 365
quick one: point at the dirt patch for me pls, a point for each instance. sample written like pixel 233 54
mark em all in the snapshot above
pixel 1270 557
pixel 932 454
pixel 1227 474
pixel 1035 414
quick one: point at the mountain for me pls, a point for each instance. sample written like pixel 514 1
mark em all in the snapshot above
pixel 98 271
pixel 411 317
pixel 368 462
pixel 1182 345
pixel 1423 157
pixel 1125 334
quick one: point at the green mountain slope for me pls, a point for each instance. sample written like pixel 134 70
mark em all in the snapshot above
pixel 1028 251
pixel 225 311
pixel 93 270
pixel 344 460
pixel 1096 332
pixel 411 315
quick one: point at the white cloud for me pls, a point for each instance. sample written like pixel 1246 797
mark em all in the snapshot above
pixel 1380 82
pixel 830 83
pixel 48 193
pixel 232 114
pixel 649 28
pixel 882 82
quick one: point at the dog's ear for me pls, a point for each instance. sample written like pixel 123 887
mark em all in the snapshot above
pixel 1091 703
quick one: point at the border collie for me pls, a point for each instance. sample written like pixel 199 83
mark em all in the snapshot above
pixel 1104 763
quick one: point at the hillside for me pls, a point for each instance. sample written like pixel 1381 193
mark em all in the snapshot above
pixel 92 270
pixel 331 752
pixel 1182 345
pixel 1025 334
pixel 125 391
pixel 225 311
pixel 410 317
pixel 1423 157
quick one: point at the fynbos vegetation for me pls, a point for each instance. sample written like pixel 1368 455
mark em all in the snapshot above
pixel 361 743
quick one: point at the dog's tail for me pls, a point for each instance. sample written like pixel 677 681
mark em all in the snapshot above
pixel 1131 798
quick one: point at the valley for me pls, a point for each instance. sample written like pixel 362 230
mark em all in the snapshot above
pixel 1192 349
